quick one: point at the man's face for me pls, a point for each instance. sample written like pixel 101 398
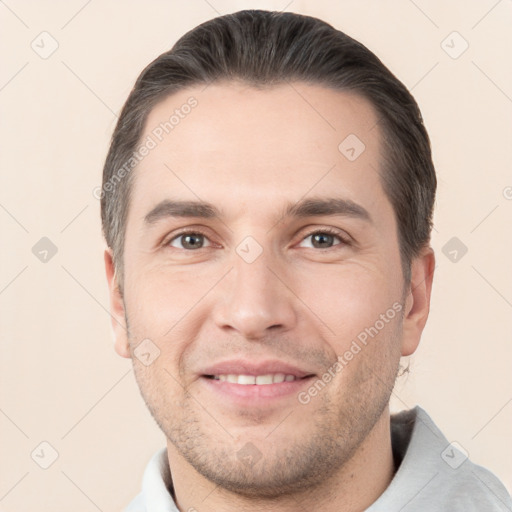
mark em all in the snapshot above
pixel 252 301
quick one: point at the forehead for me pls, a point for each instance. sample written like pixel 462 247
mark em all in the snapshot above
pixel 240 146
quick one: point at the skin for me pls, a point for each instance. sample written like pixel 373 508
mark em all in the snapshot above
pixel 250 152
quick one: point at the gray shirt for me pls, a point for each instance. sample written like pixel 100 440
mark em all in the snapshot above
pixel 432 475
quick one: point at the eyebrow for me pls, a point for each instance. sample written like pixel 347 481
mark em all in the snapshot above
pixel 169 208
pixel 328 206
pixel 315 207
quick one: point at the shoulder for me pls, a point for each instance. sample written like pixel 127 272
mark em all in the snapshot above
pixel 474 489
pixel 435 474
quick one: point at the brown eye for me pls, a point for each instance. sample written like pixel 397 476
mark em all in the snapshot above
pixel 323 240
pixel 189 241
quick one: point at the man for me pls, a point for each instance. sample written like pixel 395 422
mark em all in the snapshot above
pixel 267 203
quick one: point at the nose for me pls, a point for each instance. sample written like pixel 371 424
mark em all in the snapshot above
pixel 255 300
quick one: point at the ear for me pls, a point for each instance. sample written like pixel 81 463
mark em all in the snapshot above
pixel 417 303
pixel 117 313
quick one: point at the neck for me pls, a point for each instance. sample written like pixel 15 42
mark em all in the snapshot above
pixel 353 488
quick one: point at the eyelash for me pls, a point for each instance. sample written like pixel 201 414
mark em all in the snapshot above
pixel 324 231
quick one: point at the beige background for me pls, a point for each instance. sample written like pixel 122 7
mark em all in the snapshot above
pixel 61 381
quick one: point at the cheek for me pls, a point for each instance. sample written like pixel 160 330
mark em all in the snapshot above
pixel 160 298
pixel 160 390
pixel 164 306
pixel 347 299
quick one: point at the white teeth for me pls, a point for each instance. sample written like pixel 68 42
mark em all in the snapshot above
pixel 247 380
pixel 264 379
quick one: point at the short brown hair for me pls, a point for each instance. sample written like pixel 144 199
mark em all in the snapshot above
pixel 264 48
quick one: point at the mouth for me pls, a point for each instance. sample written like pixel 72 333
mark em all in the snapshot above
pixel 250 384
pixel 254 380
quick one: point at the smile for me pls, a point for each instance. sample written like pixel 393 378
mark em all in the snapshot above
pixel 254 380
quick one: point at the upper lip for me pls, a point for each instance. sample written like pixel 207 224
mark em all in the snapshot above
pixel 244 367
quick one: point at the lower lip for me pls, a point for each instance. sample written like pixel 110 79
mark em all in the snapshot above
pixel 254 394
